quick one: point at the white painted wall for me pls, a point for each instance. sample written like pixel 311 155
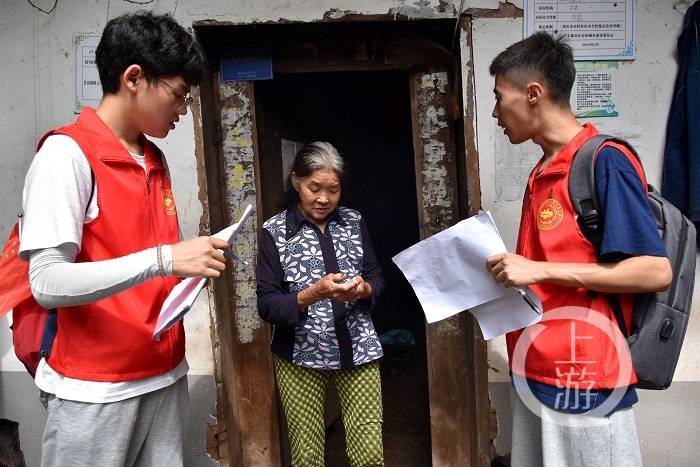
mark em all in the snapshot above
pixel 36 83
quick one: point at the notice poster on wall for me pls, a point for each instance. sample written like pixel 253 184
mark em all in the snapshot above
pixel 595 91
pixel 514 162
pixel 88 88
pixel 595 29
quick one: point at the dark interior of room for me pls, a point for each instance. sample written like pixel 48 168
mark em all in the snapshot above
pixel 366 115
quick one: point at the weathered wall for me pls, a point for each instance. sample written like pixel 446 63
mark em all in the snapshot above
pixel 36 89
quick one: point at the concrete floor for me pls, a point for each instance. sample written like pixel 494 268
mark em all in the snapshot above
pixel 406 431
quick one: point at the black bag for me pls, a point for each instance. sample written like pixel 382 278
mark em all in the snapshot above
pixel 660 319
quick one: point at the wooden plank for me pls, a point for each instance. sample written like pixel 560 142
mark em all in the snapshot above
pixel 343 45
pixel 436 178
pixel 227 448
pixel 251 362
pixel 470 188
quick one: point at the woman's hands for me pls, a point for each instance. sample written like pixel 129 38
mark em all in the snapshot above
pixel 335 286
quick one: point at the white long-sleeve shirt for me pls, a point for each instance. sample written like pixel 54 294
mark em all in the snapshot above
pixel 58 199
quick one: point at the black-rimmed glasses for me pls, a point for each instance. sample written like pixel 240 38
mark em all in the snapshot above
pixel 188 99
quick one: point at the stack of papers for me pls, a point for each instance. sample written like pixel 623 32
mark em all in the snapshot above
pixel 184 294
pixel 448 274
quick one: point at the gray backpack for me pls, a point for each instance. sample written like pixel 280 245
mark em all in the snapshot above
pixel 659 320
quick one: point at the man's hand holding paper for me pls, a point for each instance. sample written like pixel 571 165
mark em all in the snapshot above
pixel 199 257
pixel 448 274
pixel 510 269
pixel 184 294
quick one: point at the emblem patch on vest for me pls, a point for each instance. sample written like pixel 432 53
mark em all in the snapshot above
pixel 549 214
pixel 169 202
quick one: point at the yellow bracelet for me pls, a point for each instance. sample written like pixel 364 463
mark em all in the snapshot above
pixel 161 269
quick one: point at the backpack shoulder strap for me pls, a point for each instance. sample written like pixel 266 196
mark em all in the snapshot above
pixel 584 198
pixel 582 189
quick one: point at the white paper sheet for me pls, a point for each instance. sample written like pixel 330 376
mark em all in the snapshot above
pixel 448 274
pixel 506 314
pixel 182 297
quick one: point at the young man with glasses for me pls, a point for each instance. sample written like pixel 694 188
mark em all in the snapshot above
pixel 101 234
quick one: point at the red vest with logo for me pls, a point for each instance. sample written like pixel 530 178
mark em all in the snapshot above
pixel 583 346
pixel 111 340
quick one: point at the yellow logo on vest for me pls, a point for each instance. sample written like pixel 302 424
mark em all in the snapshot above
pixel 169 202
pixel 549 215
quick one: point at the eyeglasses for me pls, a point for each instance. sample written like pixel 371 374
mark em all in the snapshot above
pixel 187 99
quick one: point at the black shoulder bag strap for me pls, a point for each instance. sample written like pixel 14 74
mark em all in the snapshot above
pixel 51 321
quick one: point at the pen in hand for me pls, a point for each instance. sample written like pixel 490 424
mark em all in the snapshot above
pixel 527 298
pixel 233 256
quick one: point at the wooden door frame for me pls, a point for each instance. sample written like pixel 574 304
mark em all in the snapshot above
pixel 247 433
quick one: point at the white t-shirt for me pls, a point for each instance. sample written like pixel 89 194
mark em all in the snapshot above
pixel 57 189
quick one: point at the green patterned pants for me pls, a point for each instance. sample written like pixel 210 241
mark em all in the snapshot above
pixel 302 391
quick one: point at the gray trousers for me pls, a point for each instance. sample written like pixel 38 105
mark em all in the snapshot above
pixel 146 430
pixel 582 441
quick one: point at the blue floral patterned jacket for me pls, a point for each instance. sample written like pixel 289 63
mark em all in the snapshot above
pixel 294 255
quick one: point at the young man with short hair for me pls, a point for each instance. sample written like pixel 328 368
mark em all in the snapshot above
pixel 572 377
pixel 101 234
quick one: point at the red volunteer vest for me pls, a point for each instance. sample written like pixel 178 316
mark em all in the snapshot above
pixel 111 340
pixel 583 346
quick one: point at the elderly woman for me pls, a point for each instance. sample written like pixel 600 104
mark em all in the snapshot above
pixel 317 280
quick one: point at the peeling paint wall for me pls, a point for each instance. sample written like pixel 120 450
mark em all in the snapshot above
pixel 431 123
pixel 238 163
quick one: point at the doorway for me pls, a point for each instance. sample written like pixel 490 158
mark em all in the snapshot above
pixel 399 106
pixel 366 115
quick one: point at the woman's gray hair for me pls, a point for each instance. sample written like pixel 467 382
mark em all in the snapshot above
pixel 318 155
pixel 315 156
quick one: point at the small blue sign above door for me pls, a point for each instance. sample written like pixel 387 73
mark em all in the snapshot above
pixel 246 62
